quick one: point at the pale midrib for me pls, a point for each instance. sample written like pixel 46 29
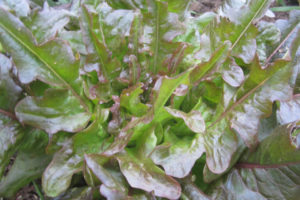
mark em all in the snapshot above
pixel 101 30
pixel 95 40
pixel 99 54
pixel 252 90
pixel 48 66
pixel 249 24
pixel 240 101
pixel 279 46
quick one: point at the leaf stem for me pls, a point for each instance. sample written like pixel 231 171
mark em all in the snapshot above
pixel 285 8
pixel 242 99
pixel 278 47
pixel 8 114
pixel 38 191
pixel 262 166
pixel 249 24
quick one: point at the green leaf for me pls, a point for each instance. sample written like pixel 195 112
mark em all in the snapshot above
pixel 69 160
pixel 29 164
pixel 191 191
pixel 163 28
pixel 239 28
pixel 127 4
pixel 56 110
pixel 218 57
pixel 57 177
pixel 280 148
pixel 252 102
pixel 178 156
pixel 195 27
pixel 243 44
pixel 102 33
pixel 147 138
pixel 47 23
pixel 193 120
pixel 272 84
pixel 244 12
pixel 232 73
pixel 272 183
pixel 268 36
pixel 113 185
pixel 9 90
pixel 11 135
pixel 36 62
pixel 141 100
pixel 266 127
pixel 145 175
pixel 125 134
pixel 20 7
pixel 80 193
pixel 289 111
pixel 177 6
pixel 75 40
pixel 131 102
pixel 271 172
pixel 289 34
pixel 163 89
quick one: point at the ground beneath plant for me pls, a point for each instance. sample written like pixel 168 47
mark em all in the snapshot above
pixel 199 6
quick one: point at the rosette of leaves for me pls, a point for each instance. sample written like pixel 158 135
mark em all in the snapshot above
pixel 136 99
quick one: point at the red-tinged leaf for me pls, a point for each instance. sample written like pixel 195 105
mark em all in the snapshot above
pixel 9 90
pixel 48 22
pixel 113 25
pixel 78 193
pixel 193 120
pixel 29 164
pixel 140 91
pixel 57 176
pixel 56 110
pixel 145 175
pixel 163 89
pixel 20 7
pixel 270 172
pixel 289 111
pixel 216 59
pixel 268 36
pixel 232 73
pixel 124 136
pixel 240 30
pixel 36 62
pixel 113 184
pixel 11 135
pixel 252 102
pixel 178 156
pixel 280 148
pixel 69 160
pixel 130 100
pixel 191 191
pixel 163 28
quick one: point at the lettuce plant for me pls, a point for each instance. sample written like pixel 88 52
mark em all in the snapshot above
pixel 137 99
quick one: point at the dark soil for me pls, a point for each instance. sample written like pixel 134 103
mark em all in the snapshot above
pixel 202 6
pixel 27 193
